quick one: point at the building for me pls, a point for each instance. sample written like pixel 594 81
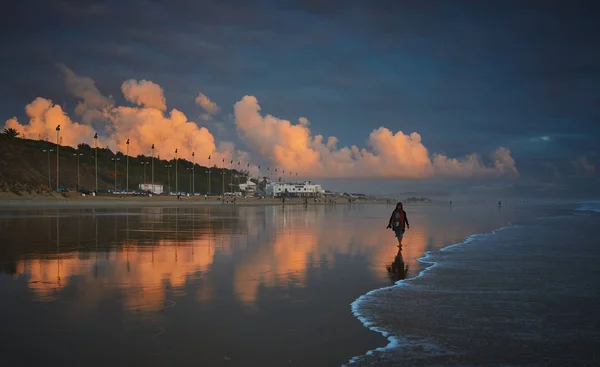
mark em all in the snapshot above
pixel 154 188
pixel 248 188
pixel 290 189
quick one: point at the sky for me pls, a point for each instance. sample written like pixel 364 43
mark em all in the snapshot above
pixel 494 97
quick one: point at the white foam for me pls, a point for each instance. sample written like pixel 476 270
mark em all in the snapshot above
pixel 394 341
pixel 426 259
pixel 590 207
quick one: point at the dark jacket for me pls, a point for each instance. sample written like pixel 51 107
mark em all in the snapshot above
pixel 403 225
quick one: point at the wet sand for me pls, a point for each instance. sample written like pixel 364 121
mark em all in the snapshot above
pixel 217 285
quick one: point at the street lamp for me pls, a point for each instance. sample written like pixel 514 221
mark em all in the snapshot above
pixel 231 177
pixel 78 155
pixel 57 144
pixel 127 168
pixel 115 159
pixel 96 149
pixel 153 168
pixel 223 178
pixel 48 151
pixel 209 174
pixel 176 174
pixel 193 176
pixel 168 167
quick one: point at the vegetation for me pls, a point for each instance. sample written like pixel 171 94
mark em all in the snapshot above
pixel 10 133
pixel 24 161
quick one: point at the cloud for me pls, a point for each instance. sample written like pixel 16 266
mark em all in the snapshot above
pixel 293 147
pixel 288 146
pixel 92 102
pixel 44 116
pixel 582 165
pixel 146 124
pixel 144 93
pixel 207 105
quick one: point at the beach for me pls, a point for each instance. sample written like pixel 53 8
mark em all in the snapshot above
pixel 228 285
pixel 522 295
pixel 221 284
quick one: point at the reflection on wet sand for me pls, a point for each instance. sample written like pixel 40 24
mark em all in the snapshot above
pixel 156 248
pixel 397 269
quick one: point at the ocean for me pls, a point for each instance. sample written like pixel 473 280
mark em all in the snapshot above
pixel 525 294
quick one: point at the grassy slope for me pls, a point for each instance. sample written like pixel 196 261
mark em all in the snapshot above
pixel 23 161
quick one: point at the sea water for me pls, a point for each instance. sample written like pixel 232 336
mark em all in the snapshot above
pixel 526 294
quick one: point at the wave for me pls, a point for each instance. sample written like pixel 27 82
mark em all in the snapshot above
pixel 395 341
pixel 589 207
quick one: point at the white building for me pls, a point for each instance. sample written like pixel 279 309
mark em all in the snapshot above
pixel 305 189
pixel 248 188
pixel 152 187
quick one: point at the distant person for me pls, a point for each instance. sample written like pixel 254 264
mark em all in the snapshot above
pixel 399 223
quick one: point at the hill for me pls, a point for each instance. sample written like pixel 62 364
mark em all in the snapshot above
pixel 27 164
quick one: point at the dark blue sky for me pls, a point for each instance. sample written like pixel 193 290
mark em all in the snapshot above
pixel 469 76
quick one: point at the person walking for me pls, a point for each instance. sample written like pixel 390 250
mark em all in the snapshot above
pixel 399 223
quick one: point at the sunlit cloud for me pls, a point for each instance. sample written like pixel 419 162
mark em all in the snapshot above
pixel 207 105
pixel 290 146
pixel 294 147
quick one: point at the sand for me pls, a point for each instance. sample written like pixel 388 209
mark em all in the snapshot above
pixel 72 200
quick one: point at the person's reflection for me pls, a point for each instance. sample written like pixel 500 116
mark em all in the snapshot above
pixel 397 270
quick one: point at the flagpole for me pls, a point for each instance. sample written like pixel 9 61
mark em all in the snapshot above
pixel 193 175
pixel 57 145
pixel 127 159
pixel 96 149
pixel 153 168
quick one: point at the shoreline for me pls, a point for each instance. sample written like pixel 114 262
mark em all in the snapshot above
pixel 43 202
pixel 430 265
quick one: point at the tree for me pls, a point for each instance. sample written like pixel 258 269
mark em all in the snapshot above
pixel 11 133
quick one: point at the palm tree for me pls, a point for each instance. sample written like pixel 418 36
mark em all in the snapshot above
pixel 11 133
